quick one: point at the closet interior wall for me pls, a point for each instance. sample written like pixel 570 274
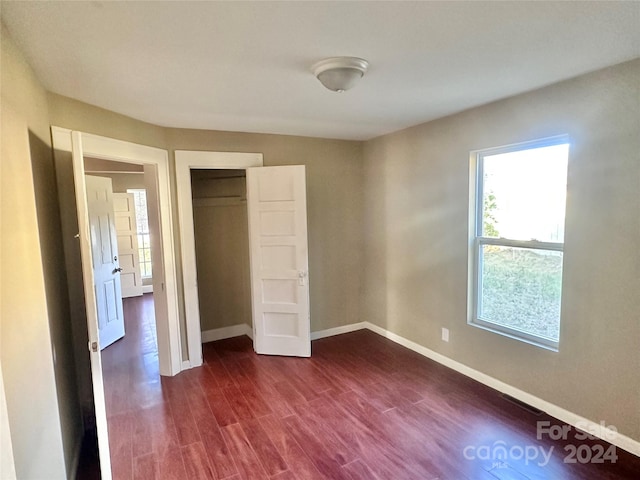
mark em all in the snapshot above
pixel 222 247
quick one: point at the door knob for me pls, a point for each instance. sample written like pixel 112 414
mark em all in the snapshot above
pixel 117 270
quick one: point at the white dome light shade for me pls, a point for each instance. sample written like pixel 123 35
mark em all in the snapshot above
pixel 340 73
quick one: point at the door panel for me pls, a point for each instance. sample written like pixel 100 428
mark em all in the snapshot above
pixel 276 203
pixel 128 253
pixel 104 249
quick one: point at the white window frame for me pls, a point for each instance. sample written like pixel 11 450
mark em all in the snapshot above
pixel 135 191
pixel 477 241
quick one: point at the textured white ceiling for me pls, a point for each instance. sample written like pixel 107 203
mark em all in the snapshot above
pixel 245 66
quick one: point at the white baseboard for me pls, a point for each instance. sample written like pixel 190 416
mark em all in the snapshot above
pixel 337 330
pixel 147 289
pixel 244 329
pixel 227 332
pixel 570 418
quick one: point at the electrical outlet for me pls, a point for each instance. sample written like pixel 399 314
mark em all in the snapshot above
pixel 445 334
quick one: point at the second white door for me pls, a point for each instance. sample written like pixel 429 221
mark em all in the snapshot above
pixel 129 255
pixel 104 251
pixel 277 209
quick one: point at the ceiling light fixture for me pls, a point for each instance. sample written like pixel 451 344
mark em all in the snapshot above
pixel 340 73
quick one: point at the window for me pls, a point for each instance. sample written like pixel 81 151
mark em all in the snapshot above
pixel 142 223
pixel 518 239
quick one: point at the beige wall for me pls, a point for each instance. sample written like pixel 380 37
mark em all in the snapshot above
pixel 123 175
pixel 121 182
pixel 69 113
pixel 417 206
pixel 100 165
pixel 222 249
pixel 7 465
pixel 37 361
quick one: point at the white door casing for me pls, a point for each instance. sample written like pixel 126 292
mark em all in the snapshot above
pixel 129 255
pixel 156 162
pixel 277 211
pixel 185 161
pixel 167 317
pixel 104 252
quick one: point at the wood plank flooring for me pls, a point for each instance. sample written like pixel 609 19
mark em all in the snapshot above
pixel 361 408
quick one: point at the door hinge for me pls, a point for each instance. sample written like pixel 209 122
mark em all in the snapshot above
pixel 93 347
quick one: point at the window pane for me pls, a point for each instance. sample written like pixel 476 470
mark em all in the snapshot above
pixel 524 194
pixel 146 269
pixel 521 289
pixel 145 240
pixel 142 226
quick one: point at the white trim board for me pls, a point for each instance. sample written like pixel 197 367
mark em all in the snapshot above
pixel 626 443
pixel 227 332
pixel 185 161
pixel 330 332
pixel 244 329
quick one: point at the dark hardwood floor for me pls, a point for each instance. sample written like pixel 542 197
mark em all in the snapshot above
pixel 361 408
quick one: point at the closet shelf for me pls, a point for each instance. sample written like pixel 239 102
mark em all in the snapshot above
pixel 219 201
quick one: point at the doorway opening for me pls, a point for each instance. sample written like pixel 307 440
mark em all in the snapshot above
pixel 186 161
pixel 222 252
pixel 134 228
pixel 132 221
pixel 70 150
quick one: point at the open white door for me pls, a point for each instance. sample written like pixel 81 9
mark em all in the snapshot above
pixel 129 256
pixel 277 209
pixel 90 296
pixel 104 252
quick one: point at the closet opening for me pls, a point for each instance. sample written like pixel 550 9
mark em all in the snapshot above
pixel 219 198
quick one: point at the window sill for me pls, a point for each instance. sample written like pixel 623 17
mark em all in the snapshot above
pixel 514 334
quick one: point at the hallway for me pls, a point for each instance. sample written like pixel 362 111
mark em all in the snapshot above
pixel 130 365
